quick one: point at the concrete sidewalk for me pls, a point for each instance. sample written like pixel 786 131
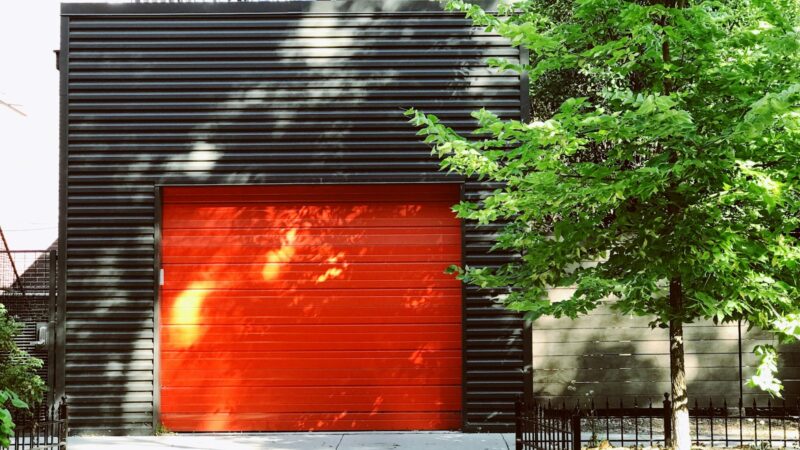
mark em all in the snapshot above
pixel 301 441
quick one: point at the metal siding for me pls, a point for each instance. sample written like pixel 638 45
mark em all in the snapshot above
pixel 181 95
pixel 494 338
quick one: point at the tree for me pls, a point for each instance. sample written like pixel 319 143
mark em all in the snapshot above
pixel 20 386
pixel 661 173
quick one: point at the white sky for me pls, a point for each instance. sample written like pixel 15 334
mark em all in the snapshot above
pixel 29 32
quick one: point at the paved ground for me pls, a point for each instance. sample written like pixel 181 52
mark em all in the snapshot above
pixel 301 441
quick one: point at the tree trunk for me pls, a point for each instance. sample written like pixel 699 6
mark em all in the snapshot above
pixel 681 440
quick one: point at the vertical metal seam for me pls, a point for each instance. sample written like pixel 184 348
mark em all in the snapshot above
pixel 524 86
pixel 464 424
pixel 156 309
pixel 527 360
pixel 60 359
pixel 52 323
pixel 527 326
pixel 741 364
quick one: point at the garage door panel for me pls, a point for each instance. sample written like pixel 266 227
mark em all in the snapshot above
pixel 288 218
pixel 310 308
pixel 291 224
pixel 253 320
pixel 408 251
pixel 317 405
pixel 329 239
pixel 357 282
pixel 276 339
pixel 301 302
pixel 395 334
pixel 303 359
pixel 278 377
pixel 322 315
pixel 317 273
pixel 338 275
pixel 317 398
pixel 357 297
pixel 300 236
pixel 248 344
pixel 336 421
pixel 420 359
pixel 436 314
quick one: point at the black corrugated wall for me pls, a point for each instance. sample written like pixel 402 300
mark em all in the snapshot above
pixel 250 93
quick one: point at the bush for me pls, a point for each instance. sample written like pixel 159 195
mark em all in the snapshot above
pixel 20 386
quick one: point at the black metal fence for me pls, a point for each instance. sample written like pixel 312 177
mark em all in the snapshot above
pixel 545 426
pixel 28 292
pixel 34 432
pixel 25 272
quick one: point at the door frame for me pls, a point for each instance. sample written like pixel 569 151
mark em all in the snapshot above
pixel 158 205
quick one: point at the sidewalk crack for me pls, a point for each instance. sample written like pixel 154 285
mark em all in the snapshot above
pixel 340 443
pixel 508 447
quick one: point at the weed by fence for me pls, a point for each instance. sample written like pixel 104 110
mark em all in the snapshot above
pixel 545 426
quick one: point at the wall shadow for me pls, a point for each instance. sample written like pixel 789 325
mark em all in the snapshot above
pixel 608 356
pixel 298 97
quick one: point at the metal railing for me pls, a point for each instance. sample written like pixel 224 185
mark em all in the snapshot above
pixel 545 426
pixel 46 431
pixel 28 293
pixel 25 272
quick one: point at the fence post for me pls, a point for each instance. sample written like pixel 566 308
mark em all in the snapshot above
pixel 518 411
pixel 667 421
pixel 576 429
pixel 51 326
pixel 63 414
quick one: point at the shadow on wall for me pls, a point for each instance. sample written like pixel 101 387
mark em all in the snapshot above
pixel 306 98
pixel 315 98
pixel 606 355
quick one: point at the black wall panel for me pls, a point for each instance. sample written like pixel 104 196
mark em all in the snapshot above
pixel 251 93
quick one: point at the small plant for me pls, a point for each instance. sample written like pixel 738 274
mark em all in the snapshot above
pixel 161 430
pixel 19 384
pixel 8 398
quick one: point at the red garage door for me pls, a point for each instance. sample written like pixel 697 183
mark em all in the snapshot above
pixel 310 308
